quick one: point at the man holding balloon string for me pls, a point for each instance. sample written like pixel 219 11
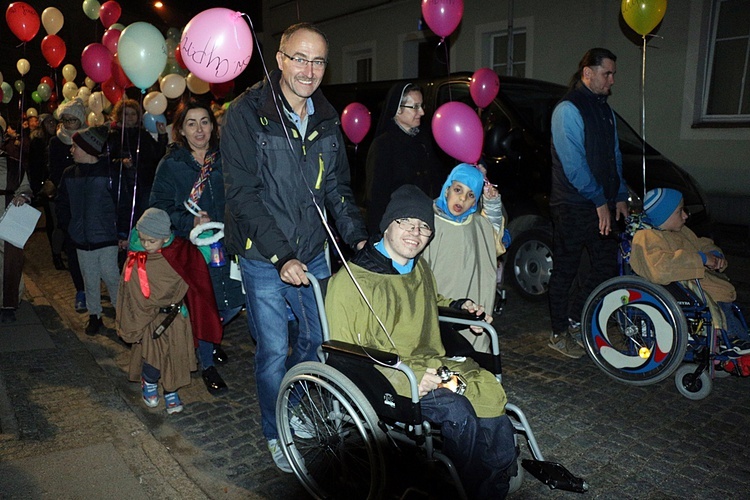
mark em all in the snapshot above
pixel 284 158
pixel 587 187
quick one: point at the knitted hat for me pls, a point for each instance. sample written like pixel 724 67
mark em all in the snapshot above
pixel 91 139
pixel 155 223
pixel 660 204
pixel 74 108
pixel 471 177
pixel 408 201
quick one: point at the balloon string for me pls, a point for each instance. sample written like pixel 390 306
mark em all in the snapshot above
pixel 332 239
pixel 643 115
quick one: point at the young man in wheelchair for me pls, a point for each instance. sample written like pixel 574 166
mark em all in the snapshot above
pixel 477 435
pixel 670 251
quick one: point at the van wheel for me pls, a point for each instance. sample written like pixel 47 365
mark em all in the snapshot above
pixel 530 259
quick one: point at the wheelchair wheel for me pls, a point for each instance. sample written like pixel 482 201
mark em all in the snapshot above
pixel 342 455
pixel 690 385
pixel 634 330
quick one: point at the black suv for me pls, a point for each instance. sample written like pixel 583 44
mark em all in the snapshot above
pixel 517 152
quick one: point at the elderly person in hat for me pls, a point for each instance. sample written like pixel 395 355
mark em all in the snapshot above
pixel 165 306
pixel 478 436
pixel 670 251
pixel 86 210
pixel 72 117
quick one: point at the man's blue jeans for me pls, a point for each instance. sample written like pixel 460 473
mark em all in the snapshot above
pixel 482 449
pixel 266 297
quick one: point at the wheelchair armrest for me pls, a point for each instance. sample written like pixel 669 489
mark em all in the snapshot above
pixel 449 312
pixel 364 353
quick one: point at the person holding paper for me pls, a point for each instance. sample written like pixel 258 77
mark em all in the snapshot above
pixel 15 189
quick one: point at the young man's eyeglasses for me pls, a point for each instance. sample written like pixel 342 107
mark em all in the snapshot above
pixel 415 107
pixel 409 226
pixel 301 62
pixel 69 120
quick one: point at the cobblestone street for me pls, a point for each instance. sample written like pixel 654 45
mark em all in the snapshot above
pixel 627 442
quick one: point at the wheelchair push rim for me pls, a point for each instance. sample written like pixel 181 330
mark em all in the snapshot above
pixel 343 458
pixel 634 330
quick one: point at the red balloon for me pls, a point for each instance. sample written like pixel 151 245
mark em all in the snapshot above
pixel 51 106
pixel 220 90
pixel 484 86
pixel 112 91
pixel 119 76
pixel 96 60
pixel 52 97
pixel 178 57
pixel 22 20
pixel 458 131
pixel 48 81
pixel 356 120
pixel 109 13
pixel 110 39
pixel 53 50
pixel 442 16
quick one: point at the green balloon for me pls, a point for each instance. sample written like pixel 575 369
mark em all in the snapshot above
pixel 44 91
pixel 36 97
pixel 19 85
pixel 7 92
pixel 91 9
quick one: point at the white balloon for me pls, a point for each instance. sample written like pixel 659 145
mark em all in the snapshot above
pixel 90 83
pixel 172 85
pixel 95 119
pixel 84 93
pixel 69 90
pixel 155 103
pixel 23 66
pixel 31 112
pixel 96 102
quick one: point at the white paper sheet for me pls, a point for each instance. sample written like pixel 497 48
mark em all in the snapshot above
pixel 17 224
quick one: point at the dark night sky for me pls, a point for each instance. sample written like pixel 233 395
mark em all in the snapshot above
pixel 78 31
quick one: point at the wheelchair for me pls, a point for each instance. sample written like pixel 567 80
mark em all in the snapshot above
pixel 360 426
pixel 640 333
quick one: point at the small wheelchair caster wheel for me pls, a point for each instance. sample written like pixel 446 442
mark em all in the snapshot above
pixel 690 385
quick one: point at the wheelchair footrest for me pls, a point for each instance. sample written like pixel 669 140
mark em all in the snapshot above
pixel 555 475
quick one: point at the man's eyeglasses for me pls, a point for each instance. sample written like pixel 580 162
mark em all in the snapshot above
pixel 69 120
pixel 415 107
pixel 409 226
pixel 301 62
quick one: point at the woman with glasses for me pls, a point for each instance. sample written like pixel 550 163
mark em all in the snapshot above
pixel 402 152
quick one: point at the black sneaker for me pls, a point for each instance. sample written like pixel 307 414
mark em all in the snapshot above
pixel 214 383
pixel 220 356
pixel 95 323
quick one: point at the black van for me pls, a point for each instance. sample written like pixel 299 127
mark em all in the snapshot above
pixel 517 152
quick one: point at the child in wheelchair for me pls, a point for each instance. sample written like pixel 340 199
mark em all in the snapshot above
pixel 666 251
pixel 468 240
pixel 477 434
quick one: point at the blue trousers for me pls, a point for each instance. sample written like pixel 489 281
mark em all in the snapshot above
pixel 482 449
pixel 267 297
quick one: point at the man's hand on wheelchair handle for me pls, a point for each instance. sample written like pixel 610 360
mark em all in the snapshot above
pixel 430 381
pixel 479 312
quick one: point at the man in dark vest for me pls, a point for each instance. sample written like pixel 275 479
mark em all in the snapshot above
pixel 587 187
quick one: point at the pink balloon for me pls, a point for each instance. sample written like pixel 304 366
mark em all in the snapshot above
pixel 110 39
pixel 356 120
pixel 109 13
pixel 442 16
pixel 484 86
pixel 458 131
pixel 96 61
pixel 216 45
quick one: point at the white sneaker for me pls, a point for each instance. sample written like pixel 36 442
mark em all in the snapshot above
pixel 278 456
pixel 302 429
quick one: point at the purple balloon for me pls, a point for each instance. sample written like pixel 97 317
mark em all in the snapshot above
pixel 484 86
pixel 356 121
pixel 458 131
pixel 96 60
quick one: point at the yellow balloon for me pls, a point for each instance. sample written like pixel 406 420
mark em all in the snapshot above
pixel 94 119
pixel 69 72
pixel 69 90
pixel 23 66
pixel 196 85
pixel 52 20
pixel 90 83
pixel 643 15
pixel 31 112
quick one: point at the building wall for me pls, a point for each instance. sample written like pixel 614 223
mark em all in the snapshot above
pixel 560 32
